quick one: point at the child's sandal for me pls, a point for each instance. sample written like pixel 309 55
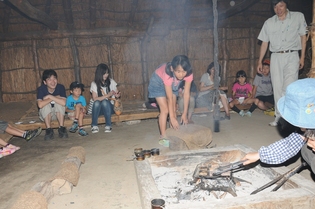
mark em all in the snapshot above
pixel 164 142
pixel 11 146
pixel 4 151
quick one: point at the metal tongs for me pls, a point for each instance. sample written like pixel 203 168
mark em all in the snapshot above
pixel 284 177
pixel 229 167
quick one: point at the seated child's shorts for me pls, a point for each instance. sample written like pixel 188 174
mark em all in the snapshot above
pixel 3 126
pixel 71 115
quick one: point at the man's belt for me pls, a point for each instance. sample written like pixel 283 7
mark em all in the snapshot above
pixel 287 51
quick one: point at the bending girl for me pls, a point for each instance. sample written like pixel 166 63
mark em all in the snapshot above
pixel 163 87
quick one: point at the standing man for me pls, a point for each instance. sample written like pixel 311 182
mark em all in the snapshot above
pixel 285 32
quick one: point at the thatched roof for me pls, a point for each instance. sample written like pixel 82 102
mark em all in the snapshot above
pixel 114 15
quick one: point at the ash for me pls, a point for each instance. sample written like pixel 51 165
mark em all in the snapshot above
pixel 177 186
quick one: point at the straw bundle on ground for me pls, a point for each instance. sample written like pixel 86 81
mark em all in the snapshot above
pixel 31 200
pixel 189 137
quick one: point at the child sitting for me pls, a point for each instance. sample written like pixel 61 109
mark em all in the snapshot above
pixel 241 93
pixel 262 88
pixel 76 108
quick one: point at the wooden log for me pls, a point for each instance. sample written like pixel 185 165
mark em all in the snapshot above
pixel 42 35
pixel 239 7
pixel 52 187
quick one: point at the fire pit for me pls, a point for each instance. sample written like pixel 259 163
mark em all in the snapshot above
pixel 172 177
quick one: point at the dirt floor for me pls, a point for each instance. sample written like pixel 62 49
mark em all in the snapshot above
pixel 108 179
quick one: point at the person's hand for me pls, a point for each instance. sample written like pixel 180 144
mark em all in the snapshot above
pixel 117 94
pixel 259 68
pixel 301 64
pixel 174 123
pixel 184 120
pixel 223 88
pixel 251 158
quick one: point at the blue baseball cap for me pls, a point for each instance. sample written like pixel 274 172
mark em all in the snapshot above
pixel 298 105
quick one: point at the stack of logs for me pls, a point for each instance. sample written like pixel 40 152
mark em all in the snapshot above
pixel 62 183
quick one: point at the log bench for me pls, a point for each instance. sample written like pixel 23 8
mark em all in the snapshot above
pixel 133 112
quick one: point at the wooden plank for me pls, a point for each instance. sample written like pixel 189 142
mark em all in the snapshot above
pixel 88 120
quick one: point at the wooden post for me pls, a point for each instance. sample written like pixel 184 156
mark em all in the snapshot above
pixel 252 39
pixel 92 5
pixel 311 74
pixel 225 58
pixel 76 60
pixel 36 63
pixel 1 94
pixel 143 43
pixel 109 56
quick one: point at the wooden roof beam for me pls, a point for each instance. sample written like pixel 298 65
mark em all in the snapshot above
pixel 134 6
pixel 92 5
pixel 26 8
pixel 67 9
pixel 236 9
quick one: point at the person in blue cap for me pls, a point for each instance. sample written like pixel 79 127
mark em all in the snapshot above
pixel 298 108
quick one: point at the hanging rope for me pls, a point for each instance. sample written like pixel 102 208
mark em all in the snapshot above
pixel 216 111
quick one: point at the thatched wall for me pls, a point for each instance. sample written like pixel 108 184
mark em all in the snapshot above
pixel 21 76
pixel 93 32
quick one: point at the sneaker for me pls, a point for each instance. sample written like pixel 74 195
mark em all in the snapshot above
pixel 82 132
pixel 273 123
pixel 49 134
pixel 241 113
pixel 74 127
pixel 108 129
pixel 226 117
pixel 94 129
pixel 62 132
pixel 32 134
pixel 248 114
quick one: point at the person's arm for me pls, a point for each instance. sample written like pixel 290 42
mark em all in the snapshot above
pixel 43 102
pixel 254 91
pixel 58 99
pixel 278 152
pixel 203 87
pixel 302 58
pixel 262 52
pixel 184 118
pixel 171 104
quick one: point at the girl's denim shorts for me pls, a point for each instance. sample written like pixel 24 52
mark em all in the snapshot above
pixel 156 87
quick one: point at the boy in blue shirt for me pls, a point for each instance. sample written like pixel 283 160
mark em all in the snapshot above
pixel 76 108
pixel 298 108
